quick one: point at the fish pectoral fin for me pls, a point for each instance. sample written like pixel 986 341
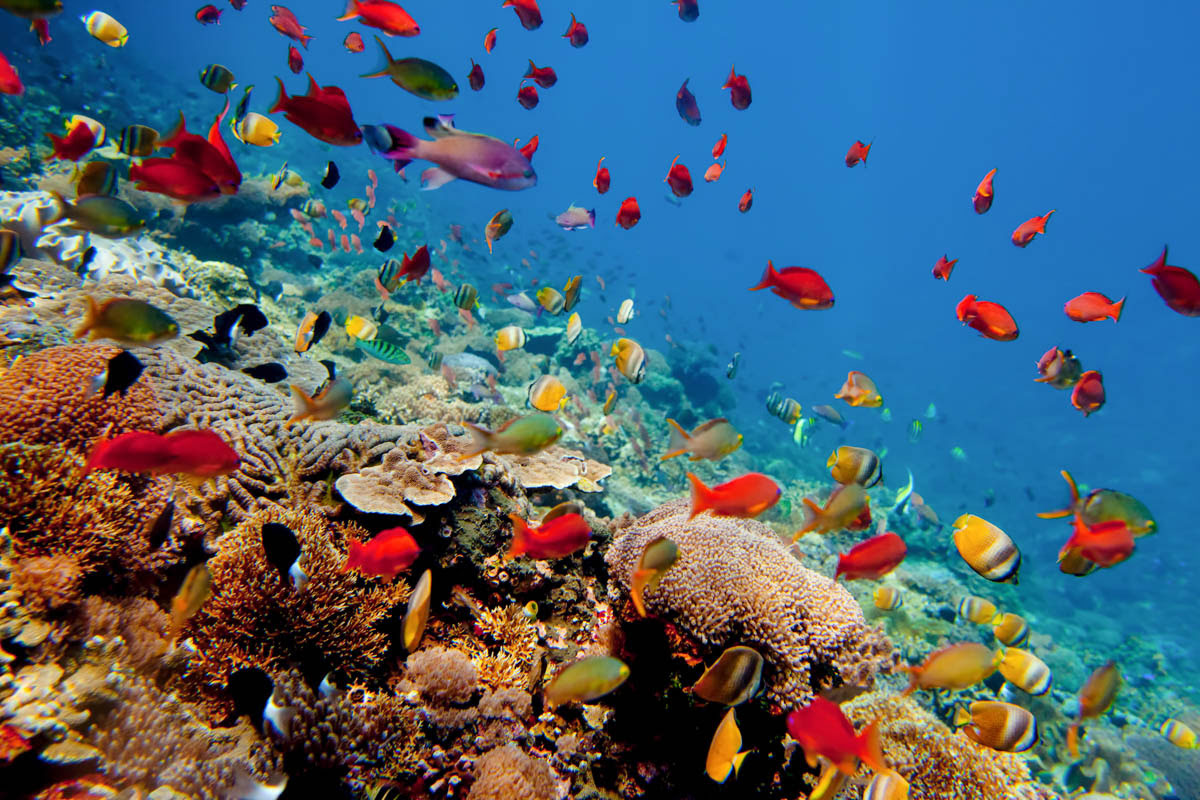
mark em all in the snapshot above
pixel 435 178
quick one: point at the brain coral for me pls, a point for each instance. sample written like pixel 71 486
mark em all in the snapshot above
pixel 938 763
pixel 735 583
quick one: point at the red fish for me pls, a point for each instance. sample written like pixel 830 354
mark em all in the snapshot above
pixel 199 453
pixel 41 29
pixel 802 287
pixel 679 179
pixel 179 180
pixel 746 496
pixel 982 199
pixel 527 11
pixel 475 76
pixel 295 60
pixel 746 201
pixel 530 147
pixel 238 5
pixel 719 148
pixel 544 77
pixel 353 42
pixel 1092 307
pixel 557 538
pixel 857 152
pixel 382 14
pixel 283 20
pixel 413 269
pixel 943 268
pixel 78 142
pixel 739 90
pixel 324 113
pixel 823 730
pixel 1176 285
pixel 873 558
pixel 339 217
pixel 489 41
pixel 10 82
pixel 629 213
pixel 685 104
pixel 576 33
pixel 210 157
pixel 602 179
pixel 208 15
pixel 388 554
pixel 345 242
pixel 1104 544
pixel 1031 227
pixel 527 96
pixel 689 10
pixel 990 319
pixel 1088 394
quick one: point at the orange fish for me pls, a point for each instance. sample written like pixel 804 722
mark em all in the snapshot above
pixel 1095 696
pixel 602 179
pixel 719 147
pixel 990 319
pixel 557 538
pixel 857 152
pixel 943 268
pixel 353 42
pixel 804 288
pixel 530 147
pixel 1088 394
pixel 1092 307
pixel 75 145
pixel 739 91
pixel 713 173
pixel 873 558
pixel 1176 285
pixel 746 496
pixel 842 510
pixel 823 730
pixel 576 33
pixel 382 14
pixel 387 555
pixel 629 213
pixel 1025 232
pixel 489 41
pixel 199 453
pixel 982 200
pixel 859 390
pixel 1105 544
pixel 955 666
pixel 746 201
pixel 679 179
pixel 283 20
pixel 544 77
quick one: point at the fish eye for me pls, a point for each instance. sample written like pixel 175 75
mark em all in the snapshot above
pixel 528 173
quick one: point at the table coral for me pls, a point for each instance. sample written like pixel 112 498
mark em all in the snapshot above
pixel 735 583
pixel 255 618
pixel 938 763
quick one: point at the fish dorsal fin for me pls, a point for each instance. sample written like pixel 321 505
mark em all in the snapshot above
pixel 712 423
pixel 440 126
pixel 313 89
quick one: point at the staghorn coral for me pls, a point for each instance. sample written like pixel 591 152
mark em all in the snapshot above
pixel 735 583
pixel 42 399
pixel 504 648
pixel 256 619
pixel 508 773
pixel 105 521
pixel 938 763
pixel 150 739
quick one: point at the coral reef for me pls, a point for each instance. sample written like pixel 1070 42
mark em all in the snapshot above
pixel 508 773
pixel 734 583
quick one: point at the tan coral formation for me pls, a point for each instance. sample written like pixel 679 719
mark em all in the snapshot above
pixel 735 583
pixel 256 618
pixel 938 763
pixel 508 773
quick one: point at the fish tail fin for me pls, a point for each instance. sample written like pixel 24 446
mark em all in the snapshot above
pixel 841 566
pixel 305 406
pixel 961 716
pixel 869 750
pixel 817 513
pixel 1117 307
pixel 89 317
pixel 729 81
pixel 637 585
pixel 702 499
pixel 1073 739
pixel 768 278
pixel 520 542
pixel 387 61
pixel 481 440
pixel 64 206
pixel 351 11
pixel 280 99
pixel 679 441
pixel 1041 228
pixel 737 761
pixel 180 130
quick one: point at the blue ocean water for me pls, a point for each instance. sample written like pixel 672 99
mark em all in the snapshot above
pixel 1083 108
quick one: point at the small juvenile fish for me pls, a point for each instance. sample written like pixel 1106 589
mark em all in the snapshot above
pixel 887 598
pixel 191 597
pixel 106 29
pixel 586 680
pixel 984 194
pixel 574 327
pixel 739 92
pixel 625 312
pixel 576 218
pixel 977 609
pixel 1025 232
pixel 577 33
pixel 500 224
pixel 857 152
pixel 1179 734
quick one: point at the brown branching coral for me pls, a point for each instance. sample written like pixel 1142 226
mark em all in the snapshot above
pixel 255 618
pixel 325 732
pixel 150 739
pixel 735 583
pixel 938 763
pixel 105 521
pixel 504 648
pixel 42 399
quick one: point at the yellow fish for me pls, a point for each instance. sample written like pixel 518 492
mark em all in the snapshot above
pixel 417 613
pixel 361 328
pixel 1000 726
pixel 723 754
pixel 986 549
pixel 659 555
pixel 510 337
pixel 977 609
pixel 574 327
pixel 1179 734
pixel 547 393
pixel 1026 671
pixel 257 130
pixel 955 666
pixel 887 598
pixel 103 27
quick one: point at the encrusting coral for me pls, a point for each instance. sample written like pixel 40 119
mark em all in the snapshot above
pixel 258 618
pixel 509 773
pixel 446 682
pixel 734 583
